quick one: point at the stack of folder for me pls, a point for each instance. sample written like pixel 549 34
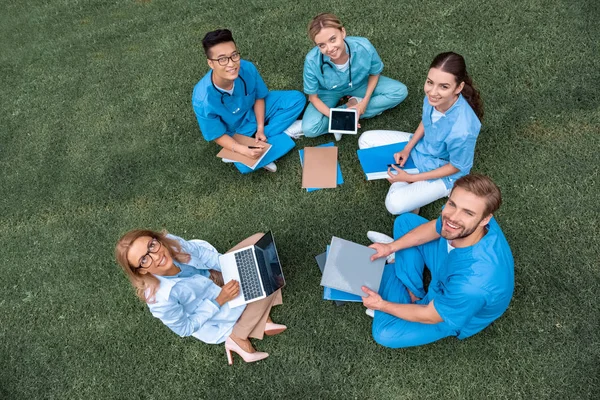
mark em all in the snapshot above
pixel 346 267
pixel 320 168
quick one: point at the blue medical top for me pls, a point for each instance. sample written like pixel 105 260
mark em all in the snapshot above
pixel 449 140
pixel 186 302
pixel 474 284
pixel 219 113
pixel 364 61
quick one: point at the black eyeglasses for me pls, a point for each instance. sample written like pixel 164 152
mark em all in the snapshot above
pixel 235 57
pixel 153 247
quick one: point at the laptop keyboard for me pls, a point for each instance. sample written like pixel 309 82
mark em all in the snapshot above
pixel 249 279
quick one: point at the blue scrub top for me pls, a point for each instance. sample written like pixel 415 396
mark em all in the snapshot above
pixel 449 140
pixel 473 285
pixel 364 61
pixel 219 113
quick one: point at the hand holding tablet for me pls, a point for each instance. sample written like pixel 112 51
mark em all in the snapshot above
pixel 343 120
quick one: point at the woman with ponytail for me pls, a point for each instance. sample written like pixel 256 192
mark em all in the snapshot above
pixel 443 146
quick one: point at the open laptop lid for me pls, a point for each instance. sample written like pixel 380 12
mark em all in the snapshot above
pixel 342 120
pixel 266 247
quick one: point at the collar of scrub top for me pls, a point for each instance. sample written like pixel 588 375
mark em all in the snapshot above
pixel 323 62
pixel 227 94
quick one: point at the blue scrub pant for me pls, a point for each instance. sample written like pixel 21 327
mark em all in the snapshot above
pixel 387 94
pixel 407 272
pixel 282 108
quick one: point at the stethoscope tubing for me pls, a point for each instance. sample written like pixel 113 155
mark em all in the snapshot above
pixel 225 93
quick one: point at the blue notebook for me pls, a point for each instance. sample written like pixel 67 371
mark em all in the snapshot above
pixel 338 295
pixel 374 161
pixel 340 179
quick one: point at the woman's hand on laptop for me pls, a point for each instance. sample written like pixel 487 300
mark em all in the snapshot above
pixel 229 291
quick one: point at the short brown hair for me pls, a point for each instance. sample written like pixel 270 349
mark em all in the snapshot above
pixel 323 20
pixel 481 186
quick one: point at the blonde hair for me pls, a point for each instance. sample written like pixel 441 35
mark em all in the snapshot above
pixel 145 285
pixel 323 20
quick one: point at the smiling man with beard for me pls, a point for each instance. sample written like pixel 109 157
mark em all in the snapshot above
pixel 471 265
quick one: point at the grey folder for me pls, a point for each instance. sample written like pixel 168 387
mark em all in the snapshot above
pixel 321 259
pixel 349 267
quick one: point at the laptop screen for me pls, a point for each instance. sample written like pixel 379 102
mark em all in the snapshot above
pixel 267 251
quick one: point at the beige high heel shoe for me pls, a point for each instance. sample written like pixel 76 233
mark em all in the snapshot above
pixel 231 345
pixel 272 328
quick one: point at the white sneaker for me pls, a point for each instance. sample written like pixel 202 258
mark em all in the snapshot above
pixel 378 237
pixel 338 136
pixel 295 130
pixel 370 312
pixel 358 99
pixel 271 167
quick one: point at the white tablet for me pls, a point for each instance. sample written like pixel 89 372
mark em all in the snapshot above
pixel 342 120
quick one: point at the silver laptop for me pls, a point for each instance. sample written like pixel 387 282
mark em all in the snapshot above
pixel 257 268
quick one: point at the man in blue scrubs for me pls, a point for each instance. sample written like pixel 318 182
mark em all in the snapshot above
pixel 471 265
pixel 233 98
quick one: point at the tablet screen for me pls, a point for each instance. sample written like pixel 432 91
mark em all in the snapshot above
pixel 342 120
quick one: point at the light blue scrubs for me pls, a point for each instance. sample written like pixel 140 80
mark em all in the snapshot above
pixel 186 302
pixel 449 140
pixel 321 77
pixel 219 113
pixel 471 286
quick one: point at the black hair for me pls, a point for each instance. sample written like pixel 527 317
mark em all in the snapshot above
pixel 214 38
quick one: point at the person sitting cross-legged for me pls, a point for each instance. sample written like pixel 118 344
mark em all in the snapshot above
pixel 471 265
pixel 233 98
pixel 182 284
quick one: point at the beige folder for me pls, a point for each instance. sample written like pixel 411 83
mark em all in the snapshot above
pixel 320 167
pixel 245 141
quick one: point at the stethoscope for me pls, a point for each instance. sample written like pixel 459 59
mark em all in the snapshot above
pixel 225 93
pixel 323 62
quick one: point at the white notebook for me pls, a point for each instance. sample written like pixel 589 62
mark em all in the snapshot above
pixel 349 266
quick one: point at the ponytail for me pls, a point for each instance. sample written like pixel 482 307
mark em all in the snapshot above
pixel 472 96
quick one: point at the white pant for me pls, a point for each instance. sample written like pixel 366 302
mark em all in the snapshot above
pixel 404 197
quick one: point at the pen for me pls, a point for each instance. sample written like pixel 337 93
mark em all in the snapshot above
pixel 391 165
pixel 254 147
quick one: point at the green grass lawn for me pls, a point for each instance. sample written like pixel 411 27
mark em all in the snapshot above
pixel 98 137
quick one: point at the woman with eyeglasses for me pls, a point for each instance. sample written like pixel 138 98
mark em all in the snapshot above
pixel 443 146
pixel 340 66
pixel 181 282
